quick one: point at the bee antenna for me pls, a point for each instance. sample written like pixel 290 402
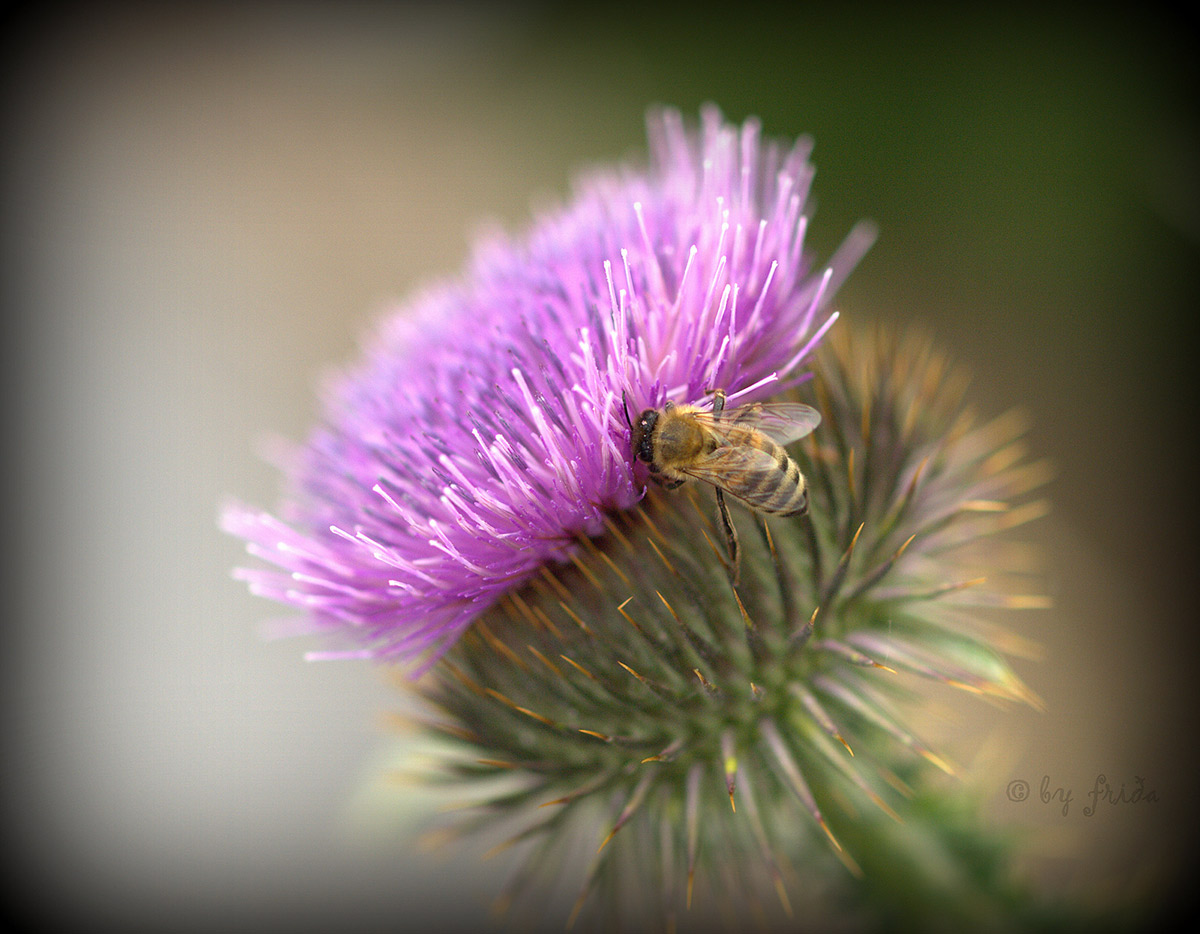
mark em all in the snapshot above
pixel 625 406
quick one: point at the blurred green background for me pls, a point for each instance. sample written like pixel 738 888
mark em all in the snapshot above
pixel 205 205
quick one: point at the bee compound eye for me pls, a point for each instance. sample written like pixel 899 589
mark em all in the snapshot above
pixel 643 449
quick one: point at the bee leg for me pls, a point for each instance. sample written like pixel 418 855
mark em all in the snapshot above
pixel 656 475
pixel 746 412
pixel 731 537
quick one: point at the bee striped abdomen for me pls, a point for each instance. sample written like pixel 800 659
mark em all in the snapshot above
pixel 778 489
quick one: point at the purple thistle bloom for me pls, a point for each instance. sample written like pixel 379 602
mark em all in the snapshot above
pixel 485 430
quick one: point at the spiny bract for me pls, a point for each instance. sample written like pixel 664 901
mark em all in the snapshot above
pixel 707 738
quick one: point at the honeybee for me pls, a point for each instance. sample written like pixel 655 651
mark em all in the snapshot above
pixel 739 451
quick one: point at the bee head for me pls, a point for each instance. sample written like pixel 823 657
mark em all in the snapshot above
pixel 643 431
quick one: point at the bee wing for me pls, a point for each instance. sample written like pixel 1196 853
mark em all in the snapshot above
pixel 739 469
pixel 782 422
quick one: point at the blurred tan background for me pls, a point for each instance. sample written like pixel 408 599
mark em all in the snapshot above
pixel 205 206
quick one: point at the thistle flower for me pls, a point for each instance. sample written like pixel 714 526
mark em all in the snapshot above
pixel 710 743
pixel 484 432
pixel 700 732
